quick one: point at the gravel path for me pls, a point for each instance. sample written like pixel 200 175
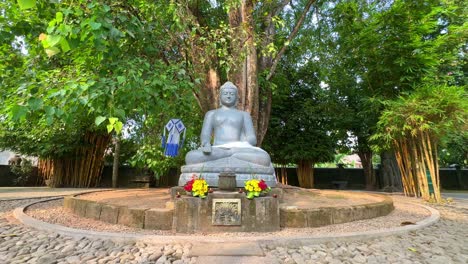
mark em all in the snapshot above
pixel 444 242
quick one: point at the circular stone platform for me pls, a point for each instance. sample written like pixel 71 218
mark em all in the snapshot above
pixel 298 208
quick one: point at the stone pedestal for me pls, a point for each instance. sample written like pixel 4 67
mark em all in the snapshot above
pixel 227 181
pixel 226 212
pixel 244 171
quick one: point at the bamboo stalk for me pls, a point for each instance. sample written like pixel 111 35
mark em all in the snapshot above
pixel 434 170
pixel 285 174
pixel 91 155
pixel 427 155
pixel 437 175
pixel 82 163
pixel 403 173
pixel 407 168
pixel 422 165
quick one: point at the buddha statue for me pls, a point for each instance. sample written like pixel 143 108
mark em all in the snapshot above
pixel 233 148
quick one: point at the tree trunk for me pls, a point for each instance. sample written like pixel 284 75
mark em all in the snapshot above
pixel 244 73
pixel 369 174
pixel 305 173
pixel 115 165
pixel 390 173
pixel 282 174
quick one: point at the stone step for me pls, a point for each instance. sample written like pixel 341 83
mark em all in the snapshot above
pixel 226 249
pixel 234 260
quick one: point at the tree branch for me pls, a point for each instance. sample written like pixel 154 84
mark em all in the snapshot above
pixel 293 34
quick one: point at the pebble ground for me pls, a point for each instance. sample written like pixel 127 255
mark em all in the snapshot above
pixel 444 242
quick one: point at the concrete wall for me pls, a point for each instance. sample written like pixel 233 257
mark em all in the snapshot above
pixel 133 177
pixel 324 178
pixel 7 178
pixel 327 178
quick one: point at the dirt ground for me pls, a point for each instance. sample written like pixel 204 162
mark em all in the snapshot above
pixel 134 198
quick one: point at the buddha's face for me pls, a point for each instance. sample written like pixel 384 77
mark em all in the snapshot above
pixel 228 96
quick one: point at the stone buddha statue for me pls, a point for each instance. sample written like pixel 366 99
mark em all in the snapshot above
pixel 233 148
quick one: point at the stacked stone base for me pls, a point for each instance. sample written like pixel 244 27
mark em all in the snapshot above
pixel 192 214
pixel 187 214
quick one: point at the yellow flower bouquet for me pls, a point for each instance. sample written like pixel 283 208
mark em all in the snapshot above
pixel 255 188
pixel 198 187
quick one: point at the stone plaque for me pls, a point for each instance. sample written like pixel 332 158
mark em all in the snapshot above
pixel 226 212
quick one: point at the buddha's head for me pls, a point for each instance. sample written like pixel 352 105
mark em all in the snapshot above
pixel 228 94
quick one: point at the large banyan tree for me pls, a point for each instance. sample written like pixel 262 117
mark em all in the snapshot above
pixel 237 40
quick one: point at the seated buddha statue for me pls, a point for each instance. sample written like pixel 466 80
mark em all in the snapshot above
pixel 233 131
pixel 233 148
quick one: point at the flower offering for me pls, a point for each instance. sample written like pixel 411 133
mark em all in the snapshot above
pixel 255 188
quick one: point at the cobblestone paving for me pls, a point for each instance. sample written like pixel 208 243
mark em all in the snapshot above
pixel 20 244
pixel 444 242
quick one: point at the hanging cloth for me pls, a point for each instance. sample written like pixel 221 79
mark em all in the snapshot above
pixel 175 128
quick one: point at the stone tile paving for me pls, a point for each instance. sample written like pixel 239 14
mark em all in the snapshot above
pixel 20 244
pixel 444 242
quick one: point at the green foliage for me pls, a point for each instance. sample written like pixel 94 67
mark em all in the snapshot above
pixel 23 171
pixel 373 51
pixel 414 125
pixel 436 109
pixel 153 158
pixel 301 117
pixel 26 4
pixel 85 66
pixel 454 148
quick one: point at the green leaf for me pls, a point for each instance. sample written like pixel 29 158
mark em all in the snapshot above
pixel 94 25
pixel 49 120
pixel 250 195
pixel 52 40
pixel 59 17
pixel 109 128
pixel 26 4
pixel 64 45
pixel 120 113
pixel 52 51
pixel 35 103
pixel 121 79
pixel 118 127
pixel 99 120
pixel 49 110
pixel 112 120
pixel 18 112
